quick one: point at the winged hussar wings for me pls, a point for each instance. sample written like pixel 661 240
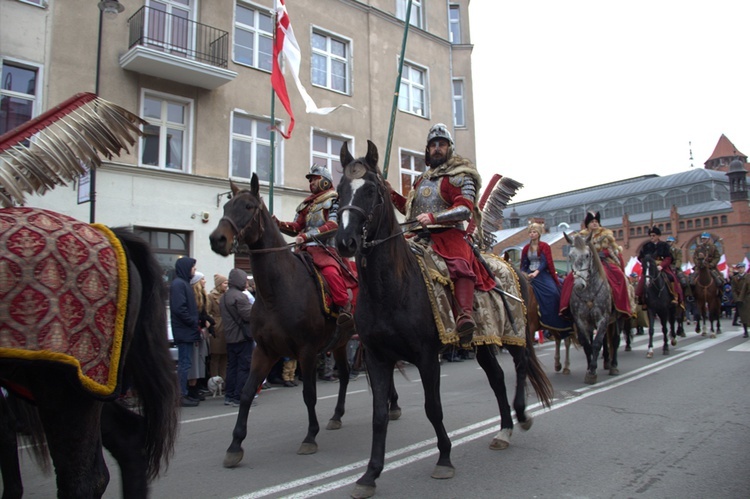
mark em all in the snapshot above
pixel 57 146
pixel 494 200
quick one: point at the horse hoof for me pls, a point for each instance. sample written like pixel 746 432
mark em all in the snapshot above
pixel 526 425
pixel 703 334
pixel 394 414
pixel 614 371
pixel 308 448
pixel 363 491
pixel 674 342
pixel 713 335
pixel 501 440
pixel 333 425
pixel 649 354
pixel 566 371
pixel 232 459
pixel 558 367
pixel 628 348
pixel 443 472
pixel 589 379
pixel 606 365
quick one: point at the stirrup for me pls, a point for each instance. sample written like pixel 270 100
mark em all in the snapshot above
pixel 465 327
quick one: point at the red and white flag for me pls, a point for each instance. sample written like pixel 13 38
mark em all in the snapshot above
pixel 687 268
pixel 722 266
pixel 633 267
pixel 286 44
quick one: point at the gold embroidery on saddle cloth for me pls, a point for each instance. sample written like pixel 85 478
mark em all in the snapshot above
pixel 99 372
pixel 323 292
pixel 489 311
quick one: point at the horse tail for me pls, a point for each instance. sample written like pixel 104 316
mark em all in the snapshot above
pixel 18 417
pixel 148 363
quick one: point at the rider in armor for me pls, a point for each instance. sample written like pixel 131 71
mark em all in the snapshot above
pixel 707 249
pixel 610 255
pixel 661 252
pixel 676 267
pixel 441 200
pixel 316 221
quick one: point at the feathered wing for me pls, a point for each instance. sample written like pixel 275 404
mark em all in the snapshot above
pixel 59 145
pixel 494 200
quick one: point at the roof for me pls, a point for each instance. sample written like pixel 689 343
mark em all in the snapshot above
pixel 724 149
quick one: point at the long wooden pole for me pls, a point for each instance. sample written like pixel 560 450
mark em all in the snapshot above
pixel 394 107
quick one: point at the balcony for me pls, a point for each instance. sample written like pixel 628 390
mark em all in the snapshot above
pixel 177 49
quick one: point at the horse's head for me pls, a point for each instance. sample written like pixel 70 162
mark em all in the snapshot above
pixel 650 270
pixel 242 220
pixel 362 194
pixel 580 258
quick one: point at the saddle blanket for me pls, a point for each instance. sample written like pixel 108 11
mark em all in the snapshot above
pixel 63 294
pixel 493 324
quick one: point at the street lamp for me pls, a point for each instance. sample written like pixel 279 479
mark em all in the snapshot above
pixel 108 9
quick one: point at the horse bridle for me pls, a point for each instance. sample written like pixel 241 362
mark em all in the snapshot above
pixel 239 233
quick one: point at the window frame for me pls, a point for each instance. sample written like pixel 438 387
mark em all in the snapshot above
pixel 255 140
pixel 257 33
pixel 459 98
pixel 36 97
pixel 415 157
pixel 416 18
pixel 454 23
pixel 329 57
pixel 331 155
pixel 410 85
pixel 188 127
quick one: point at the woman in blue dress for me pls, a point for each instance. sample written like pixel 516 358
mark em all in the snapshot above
pixel 539 267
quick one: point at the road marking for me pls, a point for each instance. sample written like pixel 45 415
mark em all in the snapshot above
pixel 742 347
pixel 474 431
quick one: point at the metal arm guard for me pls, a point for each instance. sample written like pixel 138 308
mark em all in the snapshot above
pixel 459 213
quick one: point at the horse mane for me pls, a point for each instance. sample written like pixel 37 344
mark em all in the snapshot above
pixel 597 262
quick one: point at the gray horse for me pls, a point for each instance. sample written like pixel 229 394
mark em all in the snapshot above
pixel 592 307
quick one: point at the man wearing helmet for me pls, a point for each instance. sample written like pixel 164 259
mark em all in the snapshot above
pixel 441 200
pixel 662 255
pixel 316 221
pixel 706 249
pixel 676 266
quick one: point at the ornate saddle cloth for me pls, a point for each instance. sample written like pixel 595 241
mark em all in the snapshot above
pixel 63 294
pixel 490 314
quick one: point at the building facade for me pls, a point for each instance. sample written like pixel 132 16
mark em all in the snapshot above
pixel 713 199
pixel 198 72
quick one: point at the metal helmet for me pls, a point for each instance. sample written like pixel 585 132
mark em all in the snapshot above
pixel 438 131
pixel 321 171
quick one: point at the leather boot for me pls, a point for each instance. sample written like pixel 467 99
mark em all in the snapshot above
pixel 465 325
pixel 345 321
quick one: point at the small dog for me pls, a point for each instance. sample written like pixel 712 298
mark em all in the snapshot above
pixel 216 386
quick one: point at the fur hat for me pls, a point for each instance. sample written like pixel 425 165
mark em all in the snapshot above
pixel 654 230
pixel 219 280
pixel 591 215
pixel 197 277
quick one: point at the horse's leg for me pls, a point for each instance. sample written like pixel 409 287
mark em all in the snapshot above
pixel 599 338
pixel 429 369
pixel 585 340
pixel 260 366
pixel 566 368
pixel 614 345
pixel 9 463
pixel 72 427
pixel 651 319
pixel 308 368
pixel 124 436
pixel 394 411
pixel 558 366
pixel 380 374
pixel 342 363
pixel 519 401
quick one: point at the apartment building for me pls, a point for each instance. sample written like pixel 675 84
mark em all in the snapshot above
pixel 198 71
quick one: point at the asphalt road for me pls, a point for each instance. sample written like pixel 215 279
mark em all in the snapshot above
pixel 675 426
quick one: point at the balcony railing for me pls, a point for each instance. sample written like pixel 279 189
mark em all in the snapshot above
pixel 179 36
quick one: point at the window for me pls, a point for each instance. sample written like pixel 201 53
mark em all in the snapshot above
pixel 675 197
pixel 412 94
pixel 653 202
pixel 689 224
pixel 38 3
pixel 18 94
pixel 612 209
pixel 576 215
pixel 330 62
pixel 166 137
pixel 168 246
pixel 699 194
pixel 412 166
pixel 714 220
pixel 454 20
pixel 251 148
pixel 325 151
pixel 253 37
pixel 415 18
pixel 168 25
pixel 458 103
pixel 632 206
pixel 723 219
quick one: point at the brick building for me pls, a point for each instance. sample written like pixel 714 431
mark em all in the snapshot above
pixel 713 199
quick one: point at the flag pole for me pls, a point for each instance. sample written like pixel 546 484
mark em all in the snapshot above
pixel 394 107
pixel 273 119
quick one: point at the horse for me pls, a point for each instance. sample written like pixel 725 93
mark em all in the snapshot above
pixel 51 299
pixel 288 318
pixel 592 307
pixel 707 299
pixel 395 321
pixel 659 304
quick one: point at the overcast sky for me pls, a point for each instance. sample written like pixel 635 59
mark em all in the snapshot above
pixel 579 93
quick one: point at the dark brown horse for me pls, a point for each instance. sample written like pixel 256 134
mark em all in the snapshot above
pixel 707 297
pixel 287 320
pixel 395 320
pixel 659 304
pixel 72 413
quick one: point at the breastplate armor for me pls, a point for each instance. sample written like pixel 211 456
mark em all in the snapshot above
pixel 427 199
pixel 316 215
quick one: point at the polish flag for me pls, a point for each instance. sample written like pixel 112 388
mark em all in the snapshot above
pixel 687 268
pixel 633 266
pixel 722 266
pixel 286 44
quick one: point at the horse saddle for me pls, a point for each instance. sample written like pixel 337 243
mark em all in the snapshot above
pixel 498 323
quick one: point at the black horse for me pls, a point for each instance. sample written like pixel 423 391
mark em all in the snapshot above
pixel 659 303
pixel 73 421
pixel 395 320
pixel 287 319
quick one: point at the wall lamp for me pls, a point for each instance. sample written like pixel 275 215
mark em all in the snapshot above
pixel 228 194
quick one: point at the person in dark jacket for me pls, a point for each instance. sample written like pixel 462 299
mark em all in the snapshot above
pixel 235 316
pixel 186 329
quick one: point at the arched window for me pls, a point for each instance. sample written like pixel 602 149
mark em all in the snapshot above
pixel 714 220
pixel 612 209
pixel 560 216
pixel 633 206
pixel 675 197
pixel 721 192
pixel 594 208
pixel 653 202
pixel 576 215
pixel 723 219
pixel 699 194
